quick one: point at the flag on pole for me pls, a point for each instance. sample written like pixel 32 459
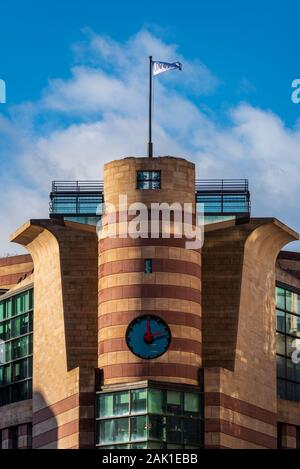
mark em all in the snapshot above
pixel 155 68
pixel 161 67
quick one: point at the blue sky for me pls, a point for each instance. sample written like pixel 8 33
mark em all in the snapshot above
pixel 77 95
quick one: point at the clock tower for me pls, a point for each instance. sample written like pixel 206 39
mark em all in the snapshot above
pixel 149 304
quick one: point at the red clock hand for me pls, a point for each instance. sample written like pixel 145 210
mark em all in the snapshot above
pixel 148 336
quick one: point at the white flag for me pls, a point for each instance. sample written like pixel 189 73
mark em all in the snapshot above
pixel 161 67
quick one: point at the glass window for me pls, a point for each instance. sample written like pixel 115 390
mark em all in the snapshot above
pixel 138 427
pixel 287 341
pixel 191 403
pixel 20 325
pixel 280 343
pixel 148 266
pixel 4 395
pixel 191 431
pixel 280 321
pixel 293 324
pixel 2 310
pixel 294 303
pixel 5 375
pixel 292 370
pixel 138 401
pixel 173 402
pixel 121 403
pixel 155 401
pixel 174 429
pixel 151 426
pixel 7 308
pixel 21 391
pixel 2 353
pixel 291 344
pixel 21 369
pixel 157 428
pixel 288 300
pixel 114 404
pixel 105 407
pixel 280 298
pixel 292 391
pixel 5 330
pixel 114 430
pixel 280 366
pixel 21 347
pixel 7 351
pixel 148 180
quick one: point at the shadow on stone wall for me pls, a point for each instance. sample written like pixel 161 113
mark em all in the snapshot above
pixel 44 424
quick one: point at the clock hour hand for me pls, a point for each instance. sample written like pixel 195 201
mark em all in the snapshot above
pixel 148 337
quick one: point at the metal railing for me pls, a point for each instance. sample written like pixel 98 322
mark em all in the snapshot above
pixel 222 185
pixel 74 187
pixel 224 196
pixel 219 196
pixel 80 198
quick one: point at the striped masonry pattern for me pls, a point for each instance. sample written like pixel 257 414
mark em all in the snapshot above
pixel 63 423
pixel 172 291
pixel 238 423
pixel 13 269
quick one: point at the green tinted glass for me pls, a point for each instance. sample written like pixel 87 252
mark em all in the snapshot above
pixel 155 401
pixel 138 427
pixel 173 402
pixel 191 403
pixel 106 405
pixel 280 298
pixel 114 430
pixel 138 401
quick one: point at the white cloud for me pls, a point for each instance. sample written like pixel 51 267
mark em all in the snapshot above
pixel 100 114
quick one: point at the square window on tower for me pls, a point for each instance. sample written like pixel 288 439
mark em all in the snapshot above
pixel 148 180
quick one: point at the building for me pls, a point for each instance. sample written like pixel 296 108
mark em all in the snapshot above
pixel 80 313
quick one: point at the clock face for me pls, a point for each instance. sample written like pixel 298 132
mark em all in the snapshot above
pixel 148 336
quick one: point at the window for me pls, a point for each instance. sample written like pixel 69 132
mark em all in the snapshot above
pixel 174 430
pixel 155 401
pixel 157 428
pixel 173 402
pixel 149 418
pixel 148 266
pixel 139 401
pixel 148 180
pixel 287 340
pixel 113 430
pixel 138 426
pixel 191 403
pixel 16 316
pixel 114 404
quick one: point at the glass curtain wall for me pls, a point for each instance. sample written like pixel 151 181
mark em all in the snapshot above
pixel 149 418
pixel 16 317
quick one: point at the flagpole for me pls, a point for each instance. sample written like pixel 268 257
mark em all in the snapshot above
pixel 150 144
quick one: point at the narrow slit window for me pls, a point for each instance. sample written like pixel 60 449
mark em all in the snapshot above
pixel 148 266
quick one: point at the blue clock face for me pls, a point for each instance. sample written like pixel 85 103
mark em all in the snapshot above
pixel 148 336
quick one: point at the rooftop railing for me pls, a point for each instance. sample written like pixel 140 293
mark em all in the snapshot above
pixel 219 196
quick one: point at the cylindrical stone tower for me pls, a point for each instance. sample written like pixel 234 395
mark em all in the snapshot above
pixel 149 276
